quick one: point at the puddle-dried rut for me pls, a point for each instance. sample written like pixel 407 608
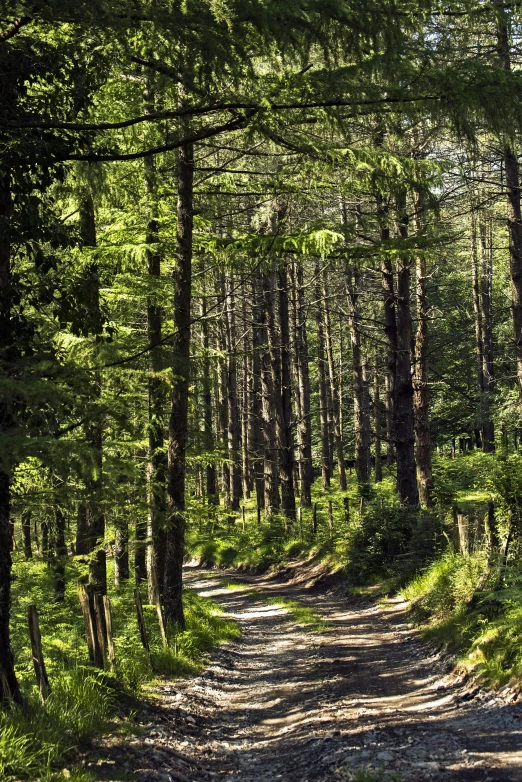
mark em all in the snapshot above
pixel 283 703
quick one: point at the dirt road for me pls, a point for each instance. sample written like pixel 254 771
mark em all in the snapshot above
pixel 364 699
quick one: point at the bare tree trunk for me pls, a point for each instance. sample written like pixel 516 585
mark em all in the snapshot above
pixel 339 448
pixel 246 395
pixel 488 370
pixel 304 425
pixel 514 217
pixel 94 427
pixel 233 410
pixel 211 482
pixel 271 482
pixel 8 682
pixel 256 432
pixel 157 461
pixel 362 433
pixel 420 384
pixel 60 554
pixel 287 440
pixel 26 532
pixel 178 422
pixel 323 387
pixel 377 424
pixel 121 550
pixel 390 330
pixel 404 419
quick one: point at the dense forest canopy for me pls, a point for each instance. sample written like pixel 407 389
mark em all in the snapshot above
pixel 252 254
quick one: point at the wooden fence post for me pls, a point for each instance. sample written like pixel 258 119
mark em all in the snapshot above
pixel 141 621
pixel 346 510
pixel 243 516
pixel 108 627
pixel 315 519
pixel 330 517
pixel 36 648
pixel 161 620
pixel 300 519
pixel 87 601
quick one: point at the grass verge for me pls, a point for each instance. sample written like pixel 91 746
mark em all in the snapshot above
pixel 37 741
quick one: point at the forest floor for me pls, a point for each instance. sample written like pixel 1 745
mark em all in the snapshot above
pixel 361 697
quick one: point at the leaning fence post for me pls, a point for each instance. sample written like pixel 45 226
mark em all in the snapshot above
pixel 108 627
pixel 141 621
pixel 87 601
pixel 36 648
pixel 161 620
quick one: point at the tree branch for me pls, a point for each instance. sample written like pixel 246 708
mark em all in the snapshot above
pixel 215 130
pixel 15 28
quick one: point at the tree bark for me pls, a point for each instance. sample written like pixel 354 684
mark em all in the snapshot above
pixel 304 421
pixel 420 382
pixel 232 403
pixel 60 554
pixel 256 432
pixel 514 217
pixel 94 427
pixel 323 387
pixel 404 418
pixel 9 688
pixel 178 422
pixel 211 483
pixel 362 434
pixel 377 424
pixel 26 532
pixel 157 461
pixel 271 478
pixel 287 444
pixel 335 406
pixel 390 330
pixel 488 369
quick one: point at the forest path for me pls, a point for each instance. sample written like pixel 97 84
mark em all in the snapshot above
pixel 284 703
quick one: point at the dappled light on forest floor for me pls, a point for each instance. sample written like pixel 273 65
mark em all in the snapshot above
pixel 287 703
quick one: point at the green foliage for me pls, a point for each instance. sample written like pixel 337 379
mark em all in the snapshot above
pixel 35 739
pixel 474 608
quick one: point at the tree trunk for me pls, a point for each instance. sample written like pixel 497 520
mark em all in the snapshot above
pixel 362 434
pixel 390 330
pixel 334 395
pixel 232 403
pixel 8 681
pixel 178 422
pixel 94 427
pixel 211 484
pixel 256 432
pixel 121 550
pixel 271 482
pixel 488 369
pixel 420 383
pixel 323 387
pixel 60 554
pixel 26 532
pixel 377 424
pixel 304 421
pixel 82 530
pixel 246 394
pixel 157 462
pixel 514 217
pixel 404 419
pixel 287 445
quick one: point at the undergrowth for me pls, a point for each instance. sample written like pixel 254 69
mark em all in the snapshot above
pixel 37 740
